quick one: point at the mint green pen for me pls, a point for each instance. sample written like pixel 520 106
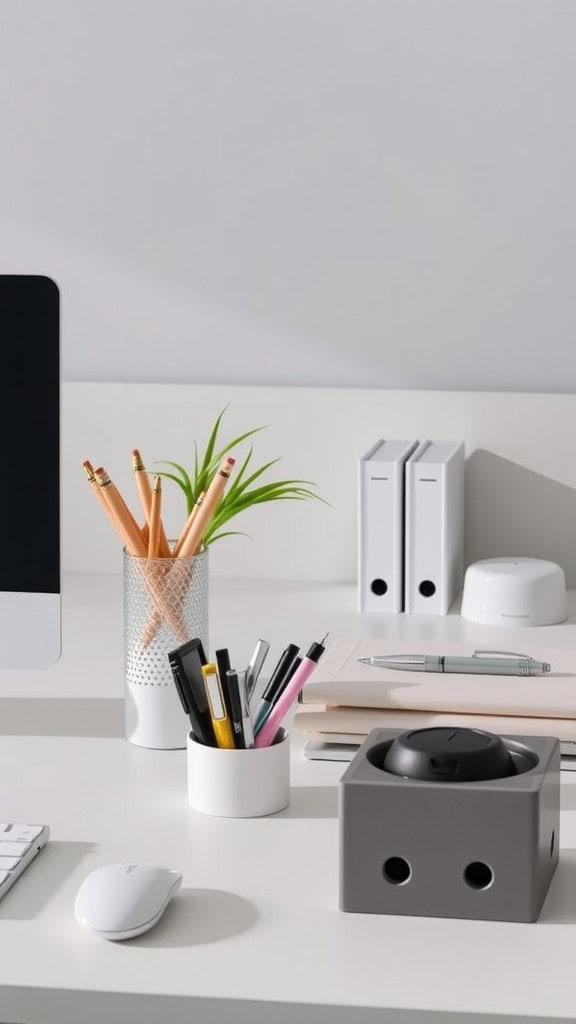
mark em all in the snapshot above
pixel 487 663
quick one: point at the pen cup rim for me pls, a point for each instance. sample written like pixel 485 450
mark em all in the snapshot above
pixel 166 559
pixel 282 737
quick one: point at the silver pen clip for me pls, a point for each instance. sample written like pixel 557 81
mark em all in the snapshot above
pixel 504 654
pixel 247 724
pixel 255 666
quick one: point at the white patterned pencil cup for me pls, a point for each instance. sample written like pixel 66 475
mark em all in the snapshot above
pixel 165 604
pixel 239 783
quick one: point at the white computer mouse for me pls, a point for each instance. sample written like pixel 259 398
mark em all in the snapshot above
pixel 120 901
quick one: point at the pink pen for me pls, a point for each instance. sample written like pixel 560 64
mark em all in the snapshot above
pixel 266 734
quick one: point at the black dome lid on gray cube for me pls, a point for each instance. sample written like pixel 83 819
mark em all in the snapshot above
pixel 449 755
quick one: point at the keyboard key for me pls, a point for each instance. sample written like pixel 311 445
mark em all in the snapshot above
pixel 13 849
pixel 19 845
pixel 21 833
pixel 7 863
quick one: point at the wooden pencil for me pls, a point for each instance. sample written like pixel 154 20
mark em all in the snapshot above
pixel 155 521
pixel 130 533
pixel 89 470
pixel 126 524
pixel 193 539
pixel 145 491
pixel 188 524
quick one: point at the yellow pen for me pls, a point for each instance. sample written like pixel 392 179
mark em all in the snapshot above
pixel 220 721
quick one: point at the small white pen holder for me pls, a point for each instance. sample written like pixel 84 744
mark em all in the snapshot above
pixel 239 783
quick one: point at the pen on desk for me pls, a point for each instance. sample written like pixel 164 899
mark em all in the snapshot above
pixel 480 663
pixel 220 721
pixel 275 684
pixel 266 734
pixel 255 666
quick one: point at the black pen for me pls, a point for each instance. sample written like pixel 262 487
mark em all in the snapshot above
pixel 186 662
pixel 236 708
pixel 223 663
pixel 278 680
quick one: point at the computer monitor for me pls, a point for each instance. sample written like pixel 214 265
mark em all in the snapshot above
pixel 29 471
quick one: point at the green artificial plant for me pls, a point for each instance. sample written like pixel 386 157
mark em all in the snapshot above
pixel 241 492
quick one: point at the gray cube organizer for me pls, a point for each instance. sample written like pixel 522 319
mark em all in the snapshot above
pixel 450 823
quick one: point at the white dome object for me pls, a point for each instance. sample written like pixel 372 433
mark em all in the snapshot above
pixel 514 592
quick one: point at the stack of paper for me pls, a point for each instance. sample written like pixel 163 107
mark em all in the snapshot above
pixel 345 699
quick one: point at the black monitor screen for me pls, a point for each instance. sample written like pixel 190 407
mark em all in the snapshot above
pixel 29 435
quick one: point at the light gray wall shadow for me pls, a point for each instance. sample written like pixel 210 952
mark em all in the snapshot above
pixel 55 716
pixel 511 510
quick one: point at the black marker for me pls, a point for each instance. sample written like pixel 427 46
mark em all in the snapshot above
pixel 236 708
pixel 278 681
pixel 186 664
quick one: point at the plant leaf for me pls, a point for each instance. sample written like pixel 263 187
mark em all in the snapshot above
pixel 239 487
pixel 177 466
pixel 232 444
pixel 268 492
pixel 206 461
pixel 211 537
pixel 241 493
pixel 186 487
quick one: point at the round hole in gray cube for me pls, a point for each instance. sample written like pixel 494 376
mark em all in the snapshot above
pixel 478 875
pixel 397 870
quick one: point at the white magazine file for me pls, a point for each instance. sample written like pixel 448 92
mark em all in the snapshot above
pixel 381 526
pixel 434 541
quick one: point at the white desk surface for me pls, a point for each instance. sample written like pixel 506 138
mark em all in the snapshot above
pixel 255 934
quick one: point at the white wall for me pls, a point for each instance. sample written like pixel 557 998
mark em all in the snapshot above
pixel 337 192
pixel 520 472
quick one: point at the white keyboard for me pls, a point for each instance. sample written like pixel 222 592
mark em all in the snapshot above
pixel 19 844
